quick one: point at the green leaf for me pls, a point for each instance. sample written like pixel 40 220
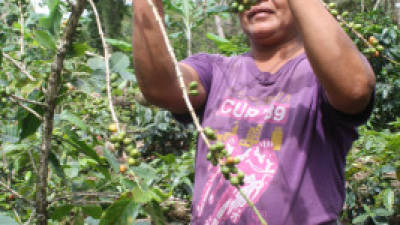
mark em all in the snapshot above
pixel 142 196
pixel 67 116
pixel 80 48
pixel 55 163
pixel 155 212
pixel 111 159
pixel 217 39
pixel 52 23
pixel 122 45
pixel 45 39
pixel 119 62
pixel 382 212
pixel 360 218
pixel 145 172
pixel 28 123
pixel 388 199
pixel 96 63
pixel 94 211
pixel 60 212
pixel 122 212
pixel 80 145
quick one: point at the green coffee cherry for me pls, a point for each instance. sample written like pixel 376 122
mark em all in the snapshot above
pixel 193 85
pixel 210 133
pixel 193 92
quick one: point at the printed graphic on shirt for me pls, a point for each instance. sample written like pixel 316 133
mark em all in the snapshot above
pixel 258 159
pixel 259 163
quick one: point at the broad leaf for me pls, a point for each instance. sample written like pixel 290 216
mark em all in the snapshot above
pixel 55 163
pixel 119 62
pixel 45 39
pixel 155 212
pixel 122 212
pixel 60 212
pixel 75 120
pixel 80 145
pixel 122 45
pixel 94 211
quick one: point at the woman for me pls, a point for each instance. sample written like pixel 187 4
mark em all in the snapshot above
pixel 288 109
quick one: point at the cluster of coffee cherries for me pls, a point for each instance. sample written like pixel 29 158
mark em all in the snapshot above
pixel 228 164
pixel 374 49
pixel 121 142
pixel 239 6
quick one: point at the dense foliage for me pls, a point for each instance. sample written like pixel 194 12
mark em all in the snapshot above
pixel 100 176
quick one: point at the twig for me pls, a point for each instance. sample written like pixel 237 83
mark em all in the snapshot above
pixel 251 204
pixel 20 66
pixel 27 100
pixel 106 61
pixel 186 96
pixel 17 218
pixel 33 213
pixel 36 114
pixel 33 161
pixel 22 22
pixel 18 195
pixel 93 54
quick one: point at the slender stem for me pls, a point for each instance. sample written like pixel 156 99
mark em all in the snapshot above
pixel 27 100
pixel 251 204
pixel 17 217
pixel 21 22
pixel 20 66
pixel 33 161
pixel 36 114
pixel 106 61
pixel 33 213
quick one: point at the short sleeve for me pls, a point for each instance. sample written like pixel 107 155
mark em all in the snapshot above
pixel 203 64
pixel 344 118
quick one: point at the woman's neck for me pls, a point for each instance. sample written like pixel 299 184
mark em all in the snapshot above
pixel 269 58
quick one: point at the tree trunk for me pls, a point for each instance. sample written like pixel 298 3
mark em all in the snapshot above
pixel 51 97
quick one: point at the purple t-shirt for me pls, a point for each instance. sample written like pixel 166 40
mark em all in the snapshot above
pixel 291 142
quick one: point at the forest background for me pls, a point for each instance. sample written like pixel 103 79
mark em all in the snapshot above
pixel 68 156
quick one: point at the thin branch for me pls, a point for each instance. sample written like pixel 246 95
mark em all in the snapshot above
pixel 106 61
pixel 22 22
pixel 18 195
pixel 377 4
pixel 36 114
pixel 17 217
pixel 17 98
pixel 93 54
pixel 33 213
pixel 33 161
pixel 360 36
pixel 20 66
